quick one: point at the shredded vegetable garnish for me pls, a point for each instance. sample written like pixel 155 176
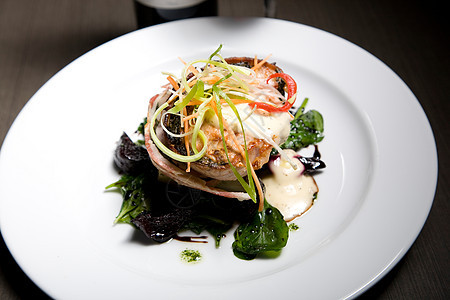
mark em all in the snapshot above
pixel 198 96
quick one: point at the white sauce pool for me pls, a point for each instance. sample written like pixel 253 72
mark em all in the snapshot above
pixel 275 124
pixel 288 189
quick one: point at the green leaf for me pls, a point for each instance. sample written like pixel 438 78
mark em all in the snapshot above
pixel 141 126
pixel 313 120
pixel 267 232
pixel 134 198
pixel 306 129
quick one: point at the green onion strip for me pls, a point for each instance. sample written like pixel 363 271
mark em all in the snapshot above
pixel 202 110
pixel 195 92
pixel 213 92
pixel 250 186
pixel 167 151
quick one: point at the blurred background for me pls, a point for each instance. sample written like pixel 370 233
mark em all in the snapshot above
pixel 39 37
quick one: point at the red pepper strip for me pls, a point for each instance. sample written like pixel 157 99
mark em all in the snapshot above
pixel 292 90
pixel 153 99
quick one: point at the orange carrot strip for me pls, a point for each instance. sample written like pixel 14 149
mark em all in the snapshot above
pixel 190 84
pixel 191 67
pixel 214 107
pixel 258 65
pixel 259 188
pixel 210 79
pixel 238 101
pixel 194 102
pixel 195 115
pixel 186 140
pixel 173 83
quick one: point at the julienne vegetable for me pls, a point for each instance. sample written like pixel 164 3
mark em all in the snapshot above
pixel 306 129
pixel 292 91
pixel 157 198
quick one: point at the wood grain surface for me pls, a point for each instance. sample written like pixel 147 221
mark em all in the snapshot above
pixel 39 37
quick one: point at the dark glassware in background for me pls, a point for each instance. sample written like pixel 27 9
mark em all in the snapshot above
pixel 270 8
pixel 152 12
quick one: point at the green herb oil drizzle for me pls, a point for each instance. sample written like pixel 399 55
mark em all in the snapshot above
pixel 190 256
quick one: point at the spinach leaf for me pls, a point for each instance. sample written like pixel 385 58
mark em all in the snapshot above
pixel 134 197
pixel 306 129
pixel 147 205
pixel 141 126
pixel 141 130
pixel 266 232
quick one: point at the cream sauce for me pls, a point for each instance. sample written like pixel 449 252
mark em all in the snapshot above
pixel 289 189
pixel 275 126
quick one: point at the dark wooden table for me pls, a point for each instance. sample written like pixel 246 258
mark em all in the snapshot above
pixel 39 37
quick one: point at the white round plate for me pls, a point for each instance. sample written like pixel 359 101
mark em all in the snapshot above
pixel 56 160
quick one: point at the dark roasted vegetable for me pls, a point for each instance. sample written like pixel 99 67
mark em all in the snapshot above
pixel 131 158
pixel 162 209
pixel 162 228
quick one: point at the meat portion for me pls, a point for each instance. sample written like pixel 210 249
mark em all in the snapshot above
pixel 262 73
pixel 171 170
pixel 214 164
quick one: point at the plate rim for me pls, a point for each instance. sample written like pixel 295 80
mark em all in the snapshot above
pixel 32 101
